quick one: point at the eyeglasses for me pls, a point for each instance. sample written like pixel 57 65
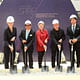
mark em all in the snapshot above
pixel 28 25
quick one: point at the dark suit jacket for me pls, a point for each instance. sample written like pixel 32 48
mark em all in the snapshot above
pixel 30 39
pixel 56 36
pixel 8 35
pixel 71 35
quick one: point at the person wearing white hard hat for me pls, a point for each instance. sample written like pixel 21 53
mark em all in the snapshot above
pixel 57 37
pixel 26 37
pixel 10 34
pixel 73 34
pixel 73 16
pixel 42 38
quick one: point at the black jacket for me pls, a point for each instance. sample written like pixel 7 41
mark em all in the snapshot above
pixel 30 39
pixel 8 35
pixel 71 35
pixel 56 36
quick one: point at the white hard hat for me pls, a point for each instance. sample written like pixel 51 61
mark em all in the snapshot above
pixel 73 16
pixel 55 21
pixel 10 19
pixel 27 22
pixel 41 22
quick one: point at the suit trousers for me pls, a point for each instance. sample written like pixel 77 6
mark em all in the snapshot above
pixel 8 56
pixel 55 52
pixel 25 58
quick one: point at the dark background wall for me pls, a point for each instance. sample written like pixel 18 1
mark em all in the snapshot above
pixel 36 10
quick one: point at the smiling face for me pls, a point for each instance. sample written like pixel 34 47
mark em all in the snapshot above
pixel 73 21
pixel 10 24
pixel 41 26
pixel 28 26
pixel 56 26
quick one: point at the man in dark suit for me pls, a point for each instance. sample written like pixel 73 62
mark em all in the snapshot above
pixel 57 37
pixel 73 34
pixel 9 42
pixel 27 38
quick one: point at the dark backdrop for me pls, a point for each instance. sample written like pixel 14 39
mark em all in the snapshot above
pixel 36 10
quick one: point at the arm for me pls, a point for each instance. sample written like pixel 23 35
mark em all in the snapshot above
pixel 62 38
pixel 47 36
pixel 15 33
pixel 14 36
pixel 79 36
pixel 6 38
pixel 39 40
pixel 68 34
pixel 21 36
pixel 53 38
pixel 31 42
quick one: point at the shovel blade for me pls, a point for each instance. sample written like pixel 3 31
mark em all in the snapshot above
pixel 70 70
pixel 60 68
pixel 25 70
pixel 13 70
pixel 45 69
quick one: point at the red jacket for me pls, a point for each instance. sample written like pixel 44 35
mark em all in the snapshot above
pixel 41 36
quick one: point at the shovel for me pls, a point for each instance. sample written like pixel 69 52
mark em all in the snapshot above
pixel 71 68
pixel 58 67
pixel 13 68
pixel 24 68
pixel 45 68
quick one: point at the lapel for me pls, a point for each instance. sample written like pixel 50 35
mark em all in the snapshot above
pixel 77 28
pixel 28 35
pixel 71 30
pixel 24 34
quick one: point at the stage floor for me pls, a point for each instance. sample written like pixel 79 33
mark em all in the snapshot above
pixel 36 74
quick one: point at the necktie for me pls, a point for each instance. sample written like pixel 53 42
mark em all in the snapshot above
pixel 73 29
pixel 27 33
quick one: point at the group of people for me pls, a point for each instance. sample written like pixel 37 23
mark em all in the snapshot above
pixel 27 37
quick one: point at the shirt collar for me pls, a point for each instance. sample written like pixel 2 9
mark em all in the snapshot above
pixel 41 31
pixel 74 25
pixel 28 30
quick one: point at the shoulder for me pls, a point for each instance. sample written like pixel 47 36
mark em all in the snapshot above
pixel 6 30
pixel 32 31
pixel 45 30
pixel 52 31
pixel 68 27
pixel 78 25
pixel 61 29
pixel 14 27
pixel 23 30
pixel 38 31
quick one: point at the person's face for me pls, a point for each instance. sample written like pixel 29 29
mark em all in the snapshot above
pixel 10 24
pixel 41 26
pixel 73 21
pixel 28 26
pixel 56 26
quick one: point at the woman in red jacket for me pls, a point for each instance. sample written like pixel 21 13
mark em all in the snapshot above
pixel 42 37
